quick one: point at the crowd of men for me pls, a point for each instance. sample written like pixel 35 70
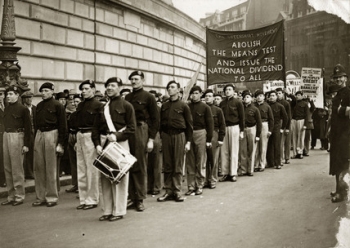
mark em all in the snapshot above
pixel 207 138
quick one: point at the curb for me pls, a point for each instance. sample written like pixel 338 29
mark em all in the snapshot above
pixel 30 186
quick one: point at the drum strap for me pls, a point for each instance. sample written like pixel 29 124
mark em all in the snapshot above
pixel 109 118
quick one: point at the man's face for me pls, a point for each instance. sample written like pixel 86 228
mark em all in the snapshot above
pixel 260 98
pixel 12 97
pixel 113 89
pixel 46 93
pixel 273 97
pixel 27 100
pixel 136 82
pixel 62 101
pixel 2 96
pixel 76 101
pixel 279 95
pixel 87 92
pixel 70 97
pixel 341 81
pixel 196 96
pixel 247 99
pixel 229 91
pixel 209 98
pixel 173 90
pixel 299 97
pixel 217 100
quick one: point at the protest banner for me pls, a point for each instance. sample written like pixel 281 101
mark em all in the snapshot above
pixel 245 56
pixel 312 85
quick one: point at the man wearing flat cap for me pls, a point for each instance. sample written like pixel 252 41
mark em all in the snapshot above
pixel 88 176
pixel 266 130
pixel 16 144
pixel 234 117
pixel 339 134
pixel 27 98
pixel 51 128
pixel 147 125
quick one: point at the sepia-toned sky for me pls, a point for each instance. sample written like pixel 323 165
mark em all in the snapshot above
pixel 197 8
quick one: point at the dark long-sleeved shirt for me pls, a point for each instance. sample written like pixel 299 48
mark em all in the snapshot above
pixel 301 111
pixel 233 112
pixel 219 121
pixel 122 115
pixel 266 114
pixel 287 107
pixel 279 114
pixel 145 107
pixel 202 118
pixel 87 111
pixel 50 114
pixel 252 118
pixel 17 116
pixel 176 115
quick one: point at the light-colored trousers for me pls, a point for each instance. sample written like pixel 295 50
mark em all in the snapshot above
pixel 115 196
pixel 213 160
pixel 248 150
pixel 229 151
pixel 261 149
pixel 88 176
pixel 45 166
pixel 285 146
pixel 196 160
pixel 298 136
pixel 13 163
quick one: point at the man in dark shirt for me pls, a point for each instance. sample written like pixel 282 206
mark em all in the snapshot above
pixel 51 126
pixel 27 98
pixel 280 121
pixel 196 158
pixel 266 130
pixel 119 116
pixel 88 176
pixel 176 129
pixel 251 135
pixel 72 141
pixel 147 121
pixel 16 144
pixel 216 142
pixel 286 136
pixel 300 116
pixel 234 117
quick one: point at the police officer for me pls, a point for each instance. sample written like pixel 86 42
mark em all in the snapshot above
pixel 176 132
pixel 213 153
pixel 196 158
pixel 2 129
pixel 27 98
pixel 121 117
pixel 16 144
pixel 51 128
pixel 147 120
pixel 88 176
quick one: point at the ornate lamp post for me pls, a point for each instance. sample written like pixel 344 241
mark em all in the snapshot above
pixel 10 71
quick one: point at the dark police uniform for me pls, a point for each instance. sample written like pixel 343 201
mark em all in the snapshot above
pixel 2 129
pixel 17 134
pixel 123 117
pixel 88 176
pixel 147 121
pixel 51 126
pixel 176 129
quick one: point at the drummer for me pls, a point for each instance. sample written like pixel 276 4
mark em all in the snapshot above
pixel 116 121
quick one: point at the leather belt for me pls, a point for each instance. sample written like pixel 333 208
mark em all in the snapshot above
pixel 14 130
pixel 46 129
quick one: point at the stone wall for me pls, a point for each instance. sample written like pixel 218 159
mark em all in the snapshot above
pixel 68 41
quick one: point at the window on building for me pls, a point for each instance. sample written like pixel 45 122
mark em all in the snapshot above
pixel 234 13
pixel 243 10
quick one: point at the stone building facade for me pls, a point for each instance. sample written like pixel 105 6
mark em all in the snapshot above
pixel 68 41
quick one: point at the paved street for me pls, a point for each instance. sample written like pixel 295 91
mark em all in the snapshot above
pixel 283 208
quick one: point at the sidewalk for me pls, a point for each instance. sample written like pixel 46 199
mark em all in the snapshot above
pixel 30 185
